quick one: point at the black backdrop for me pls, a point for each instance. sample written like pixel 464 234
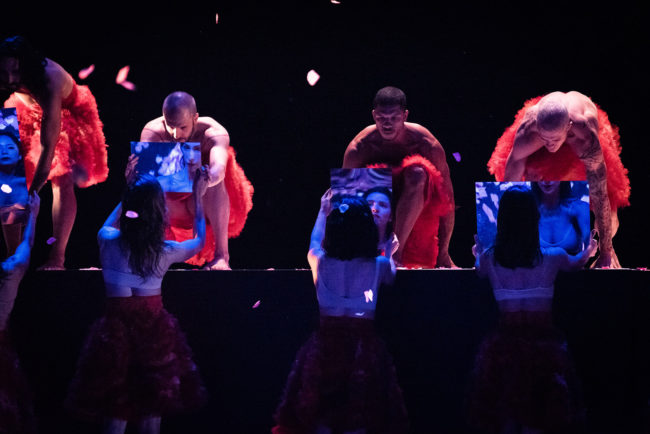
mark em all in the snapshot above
pixel 466 70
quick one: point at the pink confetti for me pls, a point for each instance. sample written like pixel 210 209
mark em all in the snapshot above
pixel 131 214
pixel 456 156
pixel 368 295
pixel 128 85
pixel 121 76
pixel 257 304
pixel 335 2
pixel 312 77
pixel 51 241
pixel 217 19
pixel 84 73
pixel 642 269
pixel 6 188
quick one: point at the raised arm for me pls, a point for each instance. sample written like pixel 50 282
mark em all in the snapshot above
pixel 318 233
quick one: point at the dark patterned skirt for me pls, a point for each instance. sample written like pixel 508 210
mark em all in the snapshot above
pixel 343 378
pixel 135 363
pixel 16 412
pixel 523 375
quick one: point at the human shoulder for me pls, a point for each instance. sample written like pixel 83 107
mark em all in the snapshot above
pixel 211 126
pixel 108 233
pixel 153 130
pixel 368 135
pixel 420 134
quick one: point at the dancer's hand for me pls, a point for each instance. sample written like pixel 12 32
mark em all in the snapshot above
pixel 34 203
pixel 130 173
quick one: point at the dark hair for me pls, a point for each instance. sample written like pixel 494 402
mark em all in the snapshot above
pixel 517 239
pixel 565 191
pixel 388 96
pixel 11 133
pixel 143 235
pixel 389 194
pixel 350 230
pixel 30 61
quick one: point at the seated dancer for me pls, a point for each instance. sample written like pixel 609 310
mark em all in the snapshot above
pixel 566 137
pixel 424 213
pixel 563 220
pixel 136 365
pixel 13 190
pixel 229 195
pixel 523 377
pixel 61 134
pixel 380 200
pixel 343 379
pixel 16 412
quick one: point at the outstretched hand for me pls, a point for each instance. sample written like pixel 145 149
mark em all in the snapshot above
pixel 326 201
pixel 477 248
pixel 34 203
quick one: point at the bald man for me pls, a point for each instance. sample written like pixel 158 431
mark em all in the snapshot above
pixel 566 137
pixel 228 198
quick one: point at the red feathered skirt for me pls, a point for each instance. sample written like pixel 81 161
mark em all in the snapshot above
pixel 420 250
pixel 81 148
pixel 564 164
pixel 240 196
pixel 343 378
pixel 523 374
pixel 16 412
pixel 135 363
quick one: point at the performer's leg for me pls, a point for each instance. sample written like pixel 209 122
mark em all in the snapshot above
pixel 114 426
pixel 217 211
pixel 149 425
pixel 410 204
pixel 13 234
pixel 64 211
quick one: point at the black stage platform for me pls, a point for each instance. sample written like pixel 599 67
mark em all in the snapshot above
pixel 433 321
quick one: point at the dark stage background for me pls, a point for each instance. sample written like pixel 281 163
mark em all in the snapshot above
pixel 466 70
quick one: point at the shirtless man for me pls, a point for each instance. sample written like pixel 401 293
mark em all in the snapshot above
pixel 389 141
pixel 571 119
pixel 181 123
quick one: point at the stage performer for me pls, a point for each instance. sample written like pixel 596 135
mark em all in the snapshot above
pixel 62 137
pixel 523 380
pixel 343 378
pixel 136 365
pixel 424 212
pixel 229 197
pixel 566 137
pixel 16 412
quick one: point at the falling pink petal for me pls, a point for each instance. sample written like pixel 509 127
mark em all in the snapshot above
pixel 312 77
pixel 456 156
pixel 217 19
pixel 6 188
pixel 257 304
pixel 368 295
pixel 84 73
pixel 131 214
pixel 642 269
pixel 51 241
pixel 336 2
pixel 121 76
pixel 128 85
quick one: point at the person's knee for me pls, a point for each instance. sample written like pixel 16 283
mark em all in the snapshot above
pixel 415 178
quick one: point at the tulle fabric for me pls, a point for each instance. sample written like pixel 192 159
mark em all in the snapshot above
pixel 81 148
pixel 343 378
pixel 564 164
pixel 135 363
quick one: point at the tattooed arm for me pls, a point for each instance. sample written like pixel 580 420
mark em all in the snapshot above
pixel 587 146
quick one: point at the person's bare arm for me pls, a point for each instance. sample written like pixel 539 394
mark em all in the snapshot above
pixel 352 159
pixel 587 146
pixel 151 132
pixel 568 262
pixel 218 145
pixel 318 233
pixel 526 143
pixel 434 152
pixel 50 102
pixel 21 256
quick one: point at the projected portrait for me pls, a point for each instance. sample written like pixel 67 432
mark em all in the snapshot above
pixel 171 163
pixel 563 207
